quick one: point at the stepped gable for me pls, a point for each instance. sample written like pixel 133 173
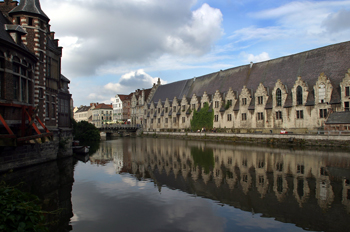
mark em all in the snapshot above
pixel 333 60
pixel 170 91
pixel 30 6
pixel 51 44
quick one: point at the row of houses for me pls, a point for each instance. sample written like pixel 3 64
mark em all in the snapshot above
pixel 32 87
pixel 122 110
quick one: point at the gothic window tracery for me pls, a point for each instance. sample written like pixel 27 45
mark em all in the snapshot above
pixel 299 95
pixel 278 97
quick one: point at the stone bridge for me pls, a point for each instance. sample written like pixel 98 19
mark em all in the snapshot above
pixel 121 130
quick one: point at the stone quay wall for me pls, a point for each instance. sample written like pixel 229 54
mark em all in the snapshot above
pixel 283 139
pixel 36 153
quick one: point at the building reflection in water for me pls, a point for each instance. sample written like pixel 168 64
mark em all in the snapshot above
pixel 52 182
pixel 298 186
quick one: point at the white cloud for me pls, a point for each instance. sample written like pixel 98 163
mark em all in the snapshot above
pixel 338 21
pixel 127 83
pixel 299 22
pixel 255 58
pixel 252 32
pixel 118 32
pixel 95 97
pixel 198 36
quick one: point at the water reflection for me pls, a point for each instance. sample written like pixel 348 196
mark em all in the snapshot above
pixel 310 189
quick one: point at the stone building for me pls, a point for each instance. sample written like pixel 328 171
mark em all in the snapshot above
pixel 138 100
pixel 84 113
pixel 64 103
pixel 296 92
pixel 118 114
pixel 102 114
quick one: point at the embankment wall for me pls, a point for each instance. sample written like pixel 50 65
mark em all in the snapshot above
pixel 290 139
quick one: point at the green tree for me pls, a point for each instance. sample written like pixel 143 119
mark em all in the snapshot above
pixel 85 131
pixel 202 118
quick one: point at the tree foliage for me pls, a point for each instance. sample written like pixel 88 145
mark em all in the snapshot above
pixel 85 131
pixel 202 118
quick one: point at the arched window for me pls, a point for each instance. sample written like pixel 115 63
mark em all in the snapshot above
pixel 278 97
pixel 321 92
pixel 299 95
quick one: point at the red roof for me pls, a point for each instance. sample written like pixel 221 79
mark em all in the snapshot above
pixel 103 106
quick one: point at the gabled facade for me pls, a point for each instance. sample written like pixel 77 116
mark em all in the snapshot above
pixel 296 92
pixel 138 101
pixel 118 107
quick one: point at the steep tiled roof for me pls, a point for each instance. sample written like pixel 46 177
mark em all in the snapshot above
pixel 252 104
pixel 289 101
pixel 103 106
pixel 332 60
pixel 236 106
pixel 29 6
pixel 339 118
pixel 310 101
pixel 269 103
pixel 170 91
pixel 83 109
pixel 123 97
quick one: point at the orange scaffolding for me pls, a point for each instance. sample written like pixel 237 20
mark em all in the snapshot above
pixel 25 133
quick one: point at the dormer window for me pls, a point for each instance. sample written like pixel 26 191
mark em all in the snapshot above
pixel 18 20
pixel 347 91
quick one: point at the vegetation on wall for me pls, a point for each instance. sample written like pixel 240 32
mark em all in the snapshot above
pixel 20 211
pixel 203 158
pixel 85 131
pixel 202 118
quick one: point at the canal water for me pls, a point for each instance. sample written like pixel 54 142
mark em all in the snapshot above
pixel 147 184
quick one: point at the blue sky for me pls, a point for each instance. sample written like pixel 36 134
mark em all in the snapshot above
pixel 117 46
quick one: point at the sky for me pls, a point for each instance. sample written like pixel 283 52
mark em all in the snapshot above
pixel 117 46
